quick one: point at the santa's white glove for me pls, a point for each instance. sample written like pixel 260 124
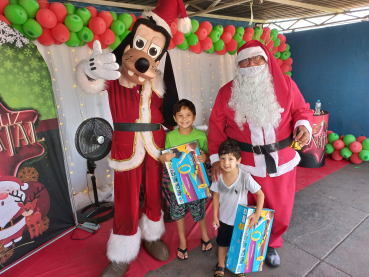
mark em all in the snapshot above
pixel 101 66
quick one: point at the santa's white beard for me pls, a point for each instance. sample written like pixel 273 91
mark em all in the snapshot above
pixel 254 101
pixel 8 210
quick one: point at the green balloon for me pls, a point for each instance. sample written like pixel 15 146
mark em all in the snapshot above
pixel 187 34
pixel 219 45
pixel 195 25
pixel 126 32
pixel 237 37
pixel 32 28
pixel 240 30
pixel 15 14
pixel 211 50
pixel 256 37
pixel 273 37
pixel 85 15
pixel 348 139
pixel 277 55
pixel 242 42
pixel 365 144
pixel 214 35
pixel 287 47
pixel 71 9
pixel 333 137
pixel 13 2
pixel 85 35
pixel 82 43
pixel 232 52
pixel 192 39
pixel 288 73
pixel 262 41
pixel 277 42
pixel 118 27
pixel 184 45
pixel 219 28
pixel 364 155
pixel 31 7
pixel 285 55
pixel 274 31
pixel 19 28
pixel 258 31
pixel 114 15
pixel 329 148
pixel 345 152
pixel 73 22
pixel 73 40
pixel 116 43
pixel 126 19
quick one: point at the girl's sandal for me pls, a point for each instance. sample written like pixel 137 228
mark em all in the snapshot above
pixel 205 244
pixel 241 275
pixel 218 268
pixel 183 251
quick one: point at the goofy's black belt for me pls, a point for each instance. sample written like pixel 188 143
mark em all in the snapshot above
pixel 136 127
pixel 266 150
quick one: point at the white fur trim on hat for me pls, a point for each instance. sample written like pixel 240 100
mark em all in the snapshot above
pixel 159 21
pixel 87 86
pixel 251 52
pixel 151 230
pixel 184 25
pixel 123 249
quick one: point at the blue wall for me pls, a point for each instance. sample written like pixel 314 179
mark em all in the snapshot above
pixel 332 64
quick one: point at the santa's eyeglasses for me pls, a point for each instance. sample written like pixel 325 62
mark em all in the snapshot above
pixel 255 60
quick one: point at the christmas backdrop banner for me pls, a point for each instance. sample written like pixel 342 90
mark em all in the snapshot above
pixel 35 201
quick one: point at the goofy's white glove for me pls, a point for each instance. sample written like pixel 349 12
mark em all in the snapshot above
pixel 101 66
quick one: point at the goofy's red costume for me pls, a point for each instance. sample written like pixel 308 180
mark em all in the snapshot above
pixel 273 170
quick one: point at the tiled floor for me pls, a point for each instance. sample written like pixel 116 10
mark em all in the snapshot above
pixel 328 234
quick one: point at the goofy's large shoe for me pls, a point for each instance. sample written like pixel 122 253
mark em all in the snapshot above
pixel 272 258
pixel 151 233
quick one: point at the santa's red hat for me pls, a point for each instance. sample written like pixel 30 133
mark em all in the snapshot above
pixel 168 10
pixel 250 50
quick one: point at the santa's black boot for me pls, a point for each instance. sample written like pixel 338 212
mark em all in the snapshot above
pixel 272 258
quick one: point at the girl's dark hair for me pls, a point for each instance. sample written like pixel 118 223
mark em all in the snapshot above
pixel 184 103
pixel 230 146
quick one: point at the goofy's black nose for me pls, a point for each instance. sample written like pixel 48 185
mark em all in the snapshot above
pixel 142 65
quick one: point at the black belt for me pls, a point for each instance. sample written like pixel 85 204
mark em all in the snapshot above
pixel 266 150
pixel 136 127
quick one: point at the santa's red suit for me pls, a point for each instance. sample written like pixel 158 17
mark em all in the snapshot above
pixel 279 188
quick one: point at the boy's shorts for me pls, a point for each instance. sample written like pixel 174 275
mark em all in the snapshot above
pixel 224 235
pixel 177 212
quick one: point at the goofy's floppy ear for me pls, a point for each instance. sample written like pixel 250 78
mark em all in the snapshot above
pixel 171 94
pixel 118 52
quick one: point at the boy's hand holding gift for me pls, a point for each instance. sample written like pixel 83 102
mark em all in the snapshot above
pixel 167 157
pixel 254 219
pixel 203 157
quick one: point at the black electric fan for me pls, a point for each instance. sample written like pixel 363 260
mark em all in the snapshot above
pixel 93 142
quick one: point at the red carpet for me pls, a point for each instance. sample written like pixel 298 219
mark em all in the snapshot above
pixel 87 258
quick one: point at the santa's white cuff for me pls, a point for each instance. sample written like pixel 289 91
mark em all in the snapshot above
pixel 214 158
pixel 306 124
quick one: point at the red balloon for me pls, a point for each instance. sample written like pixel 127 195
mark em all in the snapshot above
pixel 280 62
pixel 93 11
pixel 282 38
pixel 171 45
pixel 59 10
pixel 341 137
pixel 336 155
pixel 108 37
pixel 134 17
pixel 284 68
pixel 355 147
pixel 91 43
pixel 178 38
pixel 289 61
pixel 173 28
pixel 107 17
pixel 282 47
pixel 360 139
pixel 175 20
pixel 60 32
pixel 3 4
pixel 270 44
pixel 207 26
pixel 46 18
pixel 4 19
pixel 355 159
pixel 221 52
pixel 44 4
pixel 206 43
pixel 266 30
pixel 338 144
pixel 247 36
pixel 226 37
pixel 46 38
pixel 230 29
pixel 249 30
pixel 201 33
pixel 265 37
pixel 275 50
pixel 196 48
pixel 289 68
pixel 97 25
pixel 329 132
pixel 231 46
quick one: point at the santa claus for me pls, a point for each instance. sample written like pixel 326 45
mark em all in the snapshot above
pixel 264 111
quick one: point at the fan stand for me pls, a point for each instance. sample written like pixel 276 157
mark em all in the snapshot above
pixel 88 213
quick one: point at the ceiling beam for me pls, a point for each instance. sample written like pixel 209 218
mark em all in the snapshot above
pixel 215 2
pixel 196 7
pixel 221 7
pixel 193 2
pixel 307 6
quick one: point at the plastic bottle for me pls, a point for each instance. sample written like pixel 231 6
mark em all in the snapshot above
pixel 318 106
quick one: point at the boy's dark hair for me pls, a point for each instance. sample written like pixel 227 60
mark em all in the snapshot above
pixel 184 103
pixel 230 146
